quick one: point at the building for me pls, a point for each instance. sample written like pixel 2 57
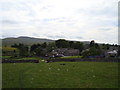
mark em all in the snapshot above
pixel 64 52
pixel 112 53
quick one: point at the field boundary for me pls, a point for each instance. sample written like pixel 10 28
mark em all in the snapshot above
pixel 20 61
pixel 85 59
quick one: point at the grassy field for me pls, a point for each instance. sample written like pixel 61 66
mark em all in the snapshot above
pixel 72 57
pixel 21 58
pixel 5 57
pixel 55 75
pixel 28 58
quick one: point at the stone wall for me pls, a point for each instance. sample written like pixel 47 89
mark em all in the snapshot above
pixel 85 59
pixel 20 61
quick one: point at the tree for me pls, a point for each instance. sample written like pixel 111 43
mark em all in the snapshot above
pixel 44 45
pixel 78 45
pixel 35 49
pixel 93 50
pixel 105 46
pixel 62 43
pixel 15 45
pixel 71 43
pixel 23 49
pixel 51 46
pixel 38 51
pixel 92 43
pixel 34 46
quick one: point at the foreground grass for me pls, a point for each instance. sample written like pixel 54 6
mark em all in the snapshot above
pixel 54 75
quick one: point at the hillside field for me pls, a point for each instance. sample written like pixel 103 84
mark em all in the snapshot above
pixel 60 75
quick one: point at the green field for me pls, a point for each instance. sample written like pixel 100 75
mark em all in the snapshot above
pixel 54 75
pixel 72 57
pixel 5 57
pixel 28 58
pixel 21 58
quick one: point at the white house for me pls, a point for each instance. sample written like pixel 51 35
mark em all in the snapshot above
pixel 112 53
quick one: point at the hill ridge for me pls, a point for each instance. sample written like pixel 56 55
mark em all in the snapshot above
pixel 23 39
pixel 29 40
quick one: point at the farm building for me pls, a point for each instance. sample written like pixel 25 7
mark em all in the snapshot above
pixel 112 53
pixel 64 52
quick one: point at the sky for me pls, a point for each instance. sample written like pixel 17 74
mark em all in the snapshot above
pixel 81 20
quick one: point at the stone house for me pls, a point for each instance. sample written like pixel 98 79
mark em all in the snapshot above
pixel 64 52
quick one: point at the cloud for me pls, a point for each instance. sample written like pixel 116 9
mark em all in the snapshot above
pixel 9 22
pixel 69 19
pixel 56 36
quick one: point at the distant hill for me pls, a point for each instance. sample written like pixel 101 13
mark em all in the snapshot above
pixel 24 40
pixel 28 41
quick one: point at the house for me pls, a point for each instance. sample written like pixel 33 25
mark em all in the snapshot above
pixel 68 51
pixel 71 52
pixel 64 52
pixel 112 53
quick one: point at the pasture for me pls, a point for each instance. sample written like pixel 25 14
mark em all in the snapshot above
pixel 60 75
pixel 72 57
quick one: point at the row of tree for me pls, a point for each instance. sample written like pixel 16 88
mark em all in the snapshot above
pixel 62 43
pixel 42 49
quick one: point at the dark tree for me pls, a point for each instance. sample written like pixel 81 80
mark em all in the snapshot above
pixel 51 46
pixel 92 43
pixel 93 50
pixel 71 43
pixel 35 49
pixel 62 43
pixel 15 45
pixel 44 45
pixel 23 49
pixel 78 45
pixel 38 51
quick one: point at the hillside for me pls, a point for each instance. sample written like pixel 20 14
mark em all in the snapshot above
pixel 24 40
pixel 28 41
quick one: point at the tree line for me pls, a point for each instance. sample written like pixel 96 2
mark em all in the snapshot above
pixel 41 49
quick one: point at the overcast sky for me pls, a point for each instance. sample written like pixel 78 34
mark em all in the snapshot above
pixel 82 20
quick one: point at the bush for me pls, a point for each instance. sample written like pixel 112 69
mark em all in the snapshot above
pixel 91 52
